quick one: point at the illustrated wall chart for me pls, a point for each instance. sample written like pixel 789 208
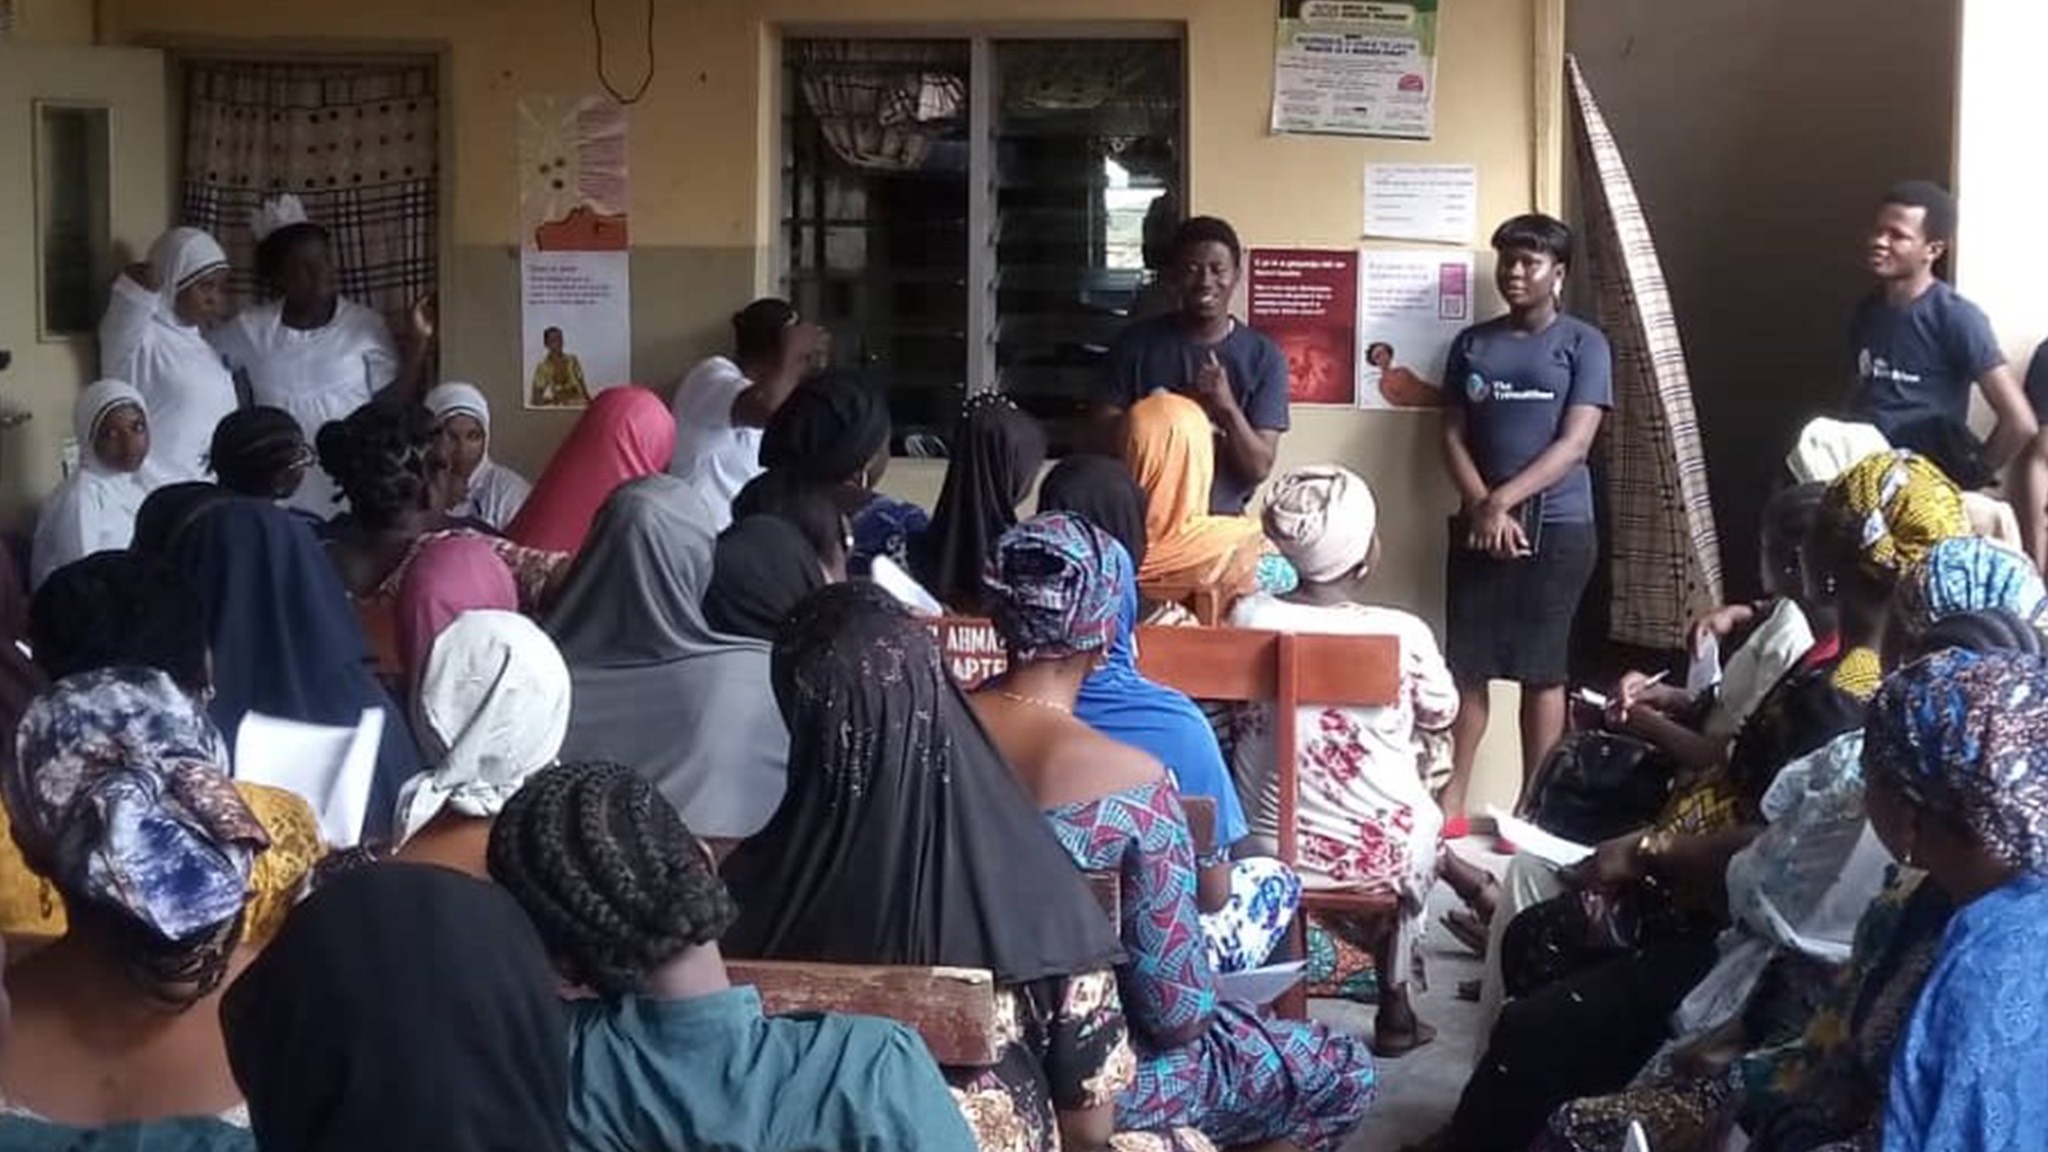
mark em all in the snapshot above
pixel 574 252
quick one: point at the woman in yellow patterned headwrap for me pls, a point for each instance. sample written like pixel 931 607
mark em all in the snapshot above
pixel 1895 505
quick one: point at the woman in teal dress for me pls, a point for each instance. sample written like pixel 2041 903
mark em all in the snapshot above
pixel 1056 585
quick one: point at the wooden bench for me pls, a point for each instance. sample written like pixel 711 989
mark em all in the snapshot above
pixel 1208 602
pixel 1287 671
pixel 952 1009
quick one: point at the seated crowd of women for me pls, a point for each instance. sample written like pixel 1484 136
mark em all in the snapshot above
pixel 649 721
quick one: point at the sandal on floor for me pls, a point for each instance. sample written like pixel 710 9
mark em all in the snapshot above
pixel 1465 926
pixel 1423 1037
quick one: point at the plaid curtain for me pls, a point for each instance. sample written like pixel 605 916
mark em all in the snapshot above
pixel 358 143
pixel 1664 554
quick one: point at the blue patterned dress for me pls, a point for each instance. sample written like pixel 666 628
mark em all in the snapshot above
pixel 1218 1067
pixel 1970 1071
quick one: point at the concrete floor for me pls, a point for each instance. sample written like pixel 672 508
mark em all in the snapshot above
pixel 1419 1092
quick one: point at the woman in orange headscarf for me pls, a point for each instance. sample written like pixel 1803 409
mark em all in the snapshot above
pixel 1170 449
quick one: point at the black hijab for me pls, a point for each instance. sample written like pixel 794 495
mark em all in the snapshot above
pixel 904 838
pixel 170 510
pixel 762 568
pixel 1099 489
pixel 402 1006
pixel 828 431
pixel 996 455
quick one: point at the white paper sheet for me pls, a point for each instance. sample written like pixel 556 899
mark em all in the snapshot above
pixel 1435 202
pixel 330 768
pixel 1705 670
pixel 1260 986
pixel 1637 1141
pixel 908 592
pixel 1536 842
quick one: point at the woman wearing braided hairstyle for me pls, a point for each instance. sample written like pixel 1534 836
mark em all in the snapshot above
pixel 261 452
pixel 670 1054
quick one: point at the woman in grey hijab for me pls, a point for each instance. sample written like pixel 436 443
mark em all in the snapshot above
pixel 656 688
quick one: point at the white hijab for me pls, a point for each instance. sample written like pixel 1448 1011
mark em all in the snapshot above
pixel 494 493
pixel 493 708
pixel 94 509
pixel 179 257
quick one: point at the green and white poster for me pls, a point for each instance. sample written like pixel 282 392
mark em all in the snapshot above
pixel 1356 68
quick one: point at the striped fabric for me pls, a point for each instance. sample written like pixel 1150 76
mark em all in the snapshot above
pixel 357 143
pixel 1665 557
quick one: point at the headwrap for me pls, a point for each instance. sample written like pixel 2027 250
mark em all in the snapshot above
pixel 1171 450
pixel 831 427
pixel 1101 490
pixel 1899 504
pixel 630 622
pixel 905 838
pixel 94 405
pixel 1827 448
pixel 1323 519
pixel 449 575
pixel 286 639
pixel 402 1006
pixel 996 456
pixel 121 796
pixel 1987 631
pixel 1970 574
pixel 761 570
pixel 627 432
pixel 456 398
pixel 493 707
pixel 1965 736
pixel 1053 587
pixel 179 257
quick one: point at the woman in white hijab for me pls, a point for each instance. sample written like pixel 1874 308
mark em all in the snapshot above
pixel 491 492
pixel 153 337
pixel 93 510
pixel 491 710
pixel 1365 816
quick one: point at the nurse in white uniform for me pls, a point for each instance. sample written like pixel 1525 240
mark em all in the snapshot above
pixel 94 509
pixel 152 336
pixel 311 352
pixel 491 492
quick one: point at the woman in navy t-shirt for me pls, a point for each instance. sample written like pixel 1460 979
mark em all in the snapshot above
pixel 1524 394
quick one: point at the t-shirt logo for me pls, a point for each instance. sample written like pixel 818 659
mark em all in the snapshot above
pixel 1475 388
pixel 1873 368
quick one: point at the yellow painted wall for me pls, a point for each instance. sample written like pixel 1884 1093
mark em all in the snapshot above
pixel 702 182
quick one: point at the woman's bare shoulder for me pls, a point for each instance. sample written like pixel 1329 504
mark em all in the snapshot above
pixel 1112 764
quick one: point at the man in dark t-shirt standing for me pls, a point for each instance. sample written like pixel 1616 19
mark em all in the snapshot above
pixel 1238 375
pixel 1919 346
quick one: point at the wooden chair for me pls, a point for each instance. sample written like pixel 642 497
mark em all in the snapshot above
pixel 953 1009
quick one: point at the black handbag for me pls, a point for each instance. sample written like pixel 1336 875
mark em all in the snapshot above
pixel 1597 785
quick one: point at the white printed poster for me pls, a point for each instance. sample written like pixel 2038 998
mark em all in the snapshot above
pixel 1356 68
pixel 1411 305
pixel 575 275
pixel 1438 203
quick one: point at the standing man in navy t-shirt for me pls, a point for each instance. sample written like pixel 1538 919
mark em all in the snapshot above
pixel 1524 395
pixel 1237 374
pixel 1919 346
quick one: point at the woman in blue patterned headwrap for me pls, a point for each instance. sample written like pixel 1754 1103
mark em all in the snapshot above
pixel 1969 574
pixel 1055 587
pixel 1956 754
pixel 121 797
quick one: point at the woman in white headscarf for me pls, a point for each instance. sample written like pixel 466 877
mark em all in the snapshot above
pixel 491 710
pixel 491 492
pixel 310 350
pixel 93 510
pixel 1365 816
pixel 153 336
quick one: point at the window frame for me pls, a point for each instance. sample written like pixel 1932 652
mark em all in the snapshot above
pixel 981 37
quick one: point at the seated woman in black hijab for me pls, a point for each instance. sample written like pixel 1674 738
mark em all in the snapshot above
pixel 996 454
pixel 834 431
pixel 904 839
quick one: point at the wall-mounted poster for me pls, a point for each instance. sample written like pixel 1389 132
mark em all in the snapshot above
pixel 574 264
pixel 1306 301
pixel 1411 305
pixel 1356 68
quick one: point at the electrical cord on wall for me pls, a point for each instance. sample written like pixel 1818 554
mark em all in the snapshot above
pixel 597 32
